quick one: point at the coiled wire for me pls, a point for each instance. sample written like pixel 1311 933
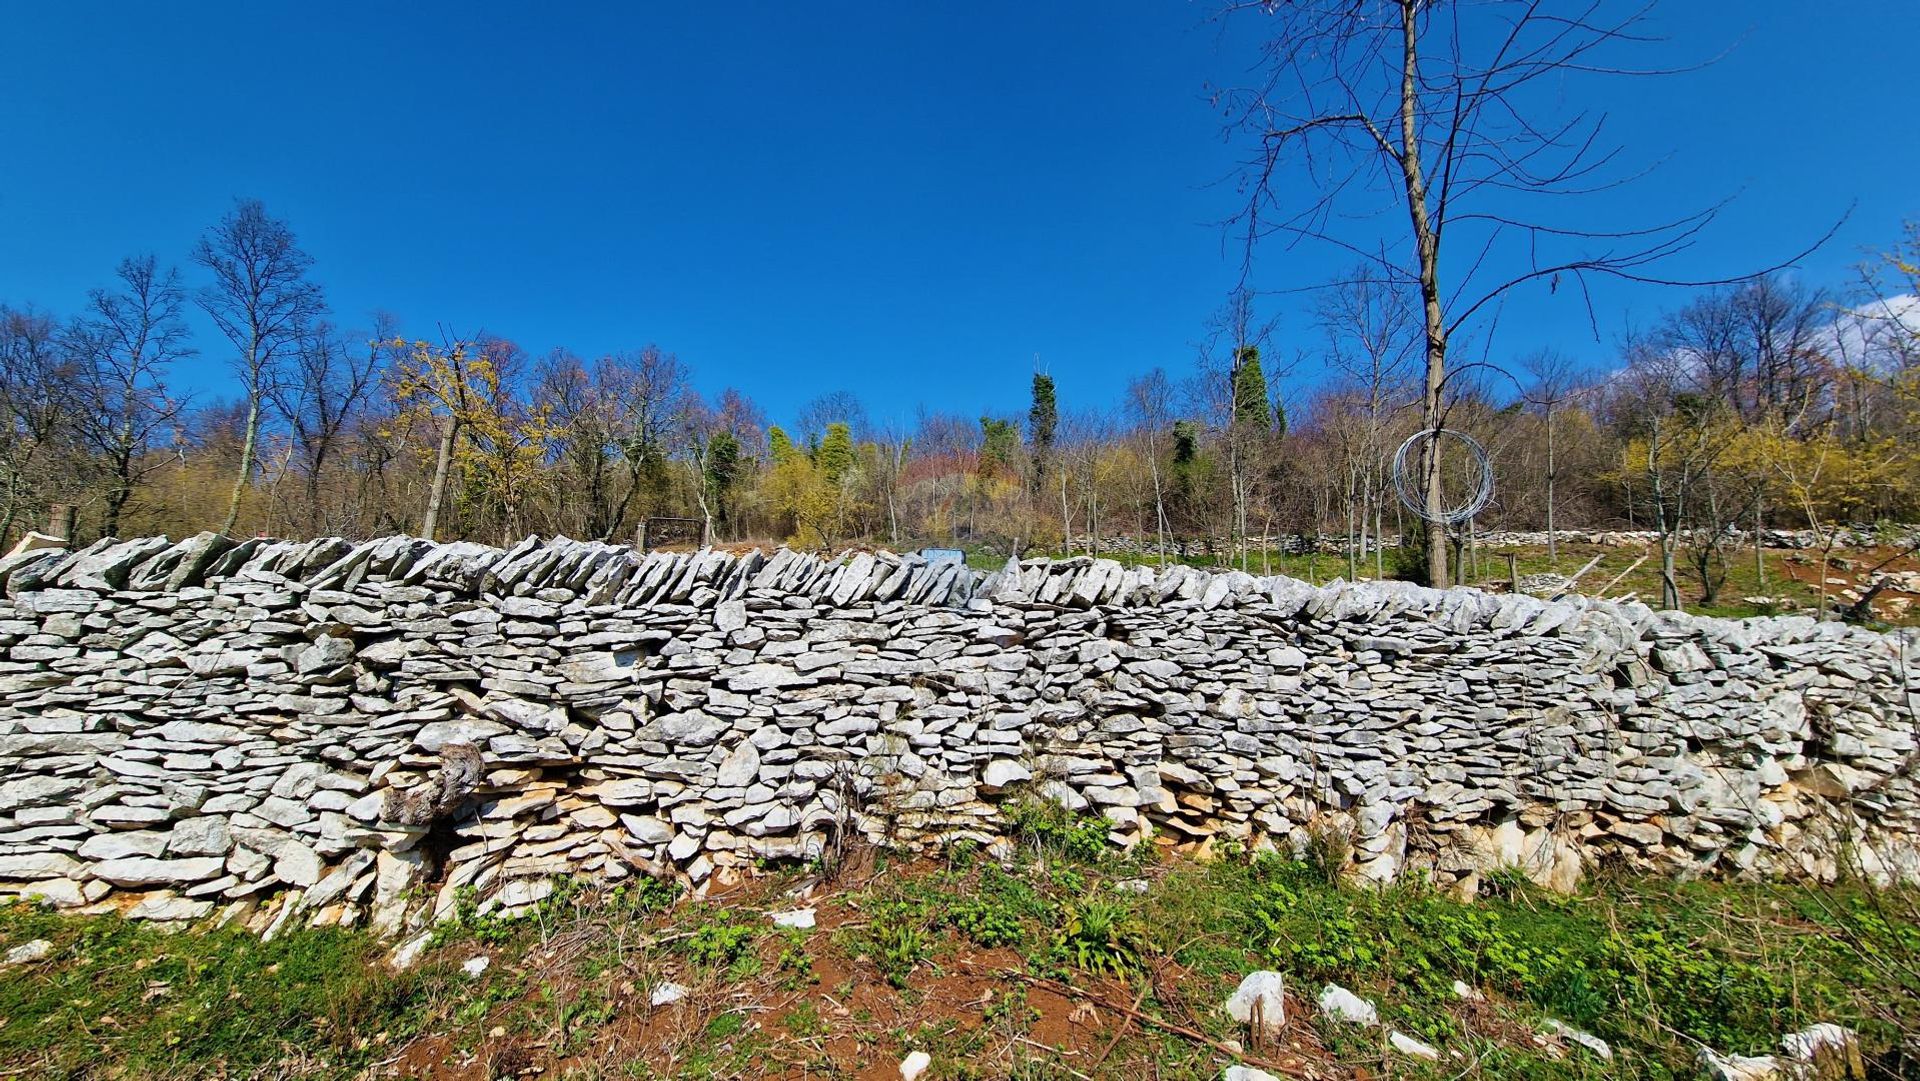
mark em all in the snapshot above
pixel 1407 481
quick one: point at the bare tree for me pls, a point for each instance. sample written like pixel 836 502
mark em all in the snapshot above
pixel 129 339
pixel 39 405
pixel 1443 112
pixel 1551 380
pixel 262 302
pixel 329 382
pixel 1150 401
pixel 1370 331
pixel 1678 437
pixel 839 405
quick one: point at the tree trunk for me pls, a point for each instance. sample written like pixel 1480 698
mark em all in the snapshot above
pixel 246 463
pixel 442 468
pixel 1159 501
pixel 1066 518
pixel 1379 537
pixel 1427 245
pixel 1669 585
pixel 1553 538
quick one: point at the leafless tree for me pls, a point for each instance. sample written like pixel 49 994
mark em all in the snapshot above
pixel 40 403
pixel 840 405
pixel 1450 114
pixel 1370 330
pixel 1551 380
pixel 129 339
pixel 263 304
pixel 329 380
pixel 1150 402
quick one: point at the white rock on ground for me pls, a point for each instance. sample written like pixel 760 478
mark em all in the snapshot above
pixel 1343 1005
pixel 28 952
pixel 1246 1073
pixel 1407 1045
pixel 1825 1051
pixel 405 954
pixel 914 1065
pixel 1466 992
pixel 1719 1067
pixel 1573 1035
pixel 799 917
pixel 666 994
pixel 1263 992
pixel 476 965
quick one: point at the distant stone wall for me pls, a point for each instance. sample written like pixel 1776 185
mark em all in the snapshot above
pixel 337 733
pixel 1300 543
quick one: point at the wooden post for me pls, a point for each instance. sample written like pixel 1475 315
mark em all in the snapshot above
pixel 1513 572
pixel 60 521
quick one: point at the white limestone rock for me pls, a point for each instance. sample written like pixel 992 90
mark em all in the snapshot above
pixel 1263 995
pixel 27 953
pixel 1341 1004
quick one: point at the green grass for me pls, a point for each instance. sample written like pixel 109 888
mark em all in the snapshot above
pixel 1653 966
pixel 152 1004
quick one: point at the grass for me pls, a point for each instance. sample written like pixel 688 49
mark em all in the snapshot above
pixel 154 1004
pixel 1013 970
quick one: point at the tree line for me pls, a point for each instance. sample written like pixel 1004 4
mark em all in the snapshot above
pixel 1766 403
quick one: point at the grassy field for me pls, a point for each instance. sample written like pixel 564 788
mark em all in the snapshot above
pixel 1068 962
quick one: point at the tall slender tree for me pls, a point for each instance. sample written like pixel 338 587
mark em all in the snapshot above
pixel 262 302
pixel 1043 417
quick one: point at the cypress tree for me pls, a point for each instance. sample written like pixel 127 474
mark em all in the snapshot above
pixel 1250 406
pixel 780 446
pixel 723 470
pixel 1042 419
pixel 834 456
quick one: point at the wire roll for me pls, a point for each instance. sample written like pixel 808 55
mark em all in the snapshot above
pixel 1406 479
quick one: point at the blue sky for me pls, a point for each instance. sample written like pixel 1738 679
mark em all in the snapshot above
pixel 909 201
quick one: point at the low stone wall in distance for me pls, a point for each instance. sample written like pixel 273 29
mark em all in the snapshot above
pixel 338 733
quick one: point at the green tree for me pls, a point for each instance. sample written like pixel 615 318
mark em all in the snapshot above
pixel 723 472
pixel 834 456
pixel 1000 443
pixel 1250 406
pixel 1042 419
pixel 780 446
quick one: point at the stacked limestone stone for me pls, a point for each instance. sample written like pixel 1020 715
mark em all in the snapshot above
pixel 341 733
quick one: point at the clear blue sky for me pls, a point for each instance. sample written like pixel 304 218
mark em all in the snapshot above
pixel 906 200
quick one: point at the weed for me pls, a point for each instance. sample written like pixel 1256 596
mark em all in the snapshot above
pixel 804 1021
pixel 1048 828
pixel 719 942
pixel 1098 937
pixel 794 962
pixel 992 912
pixel 896 949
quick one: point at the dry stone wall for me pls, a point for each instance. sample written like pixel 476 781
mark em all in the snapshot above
pixel 338 733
